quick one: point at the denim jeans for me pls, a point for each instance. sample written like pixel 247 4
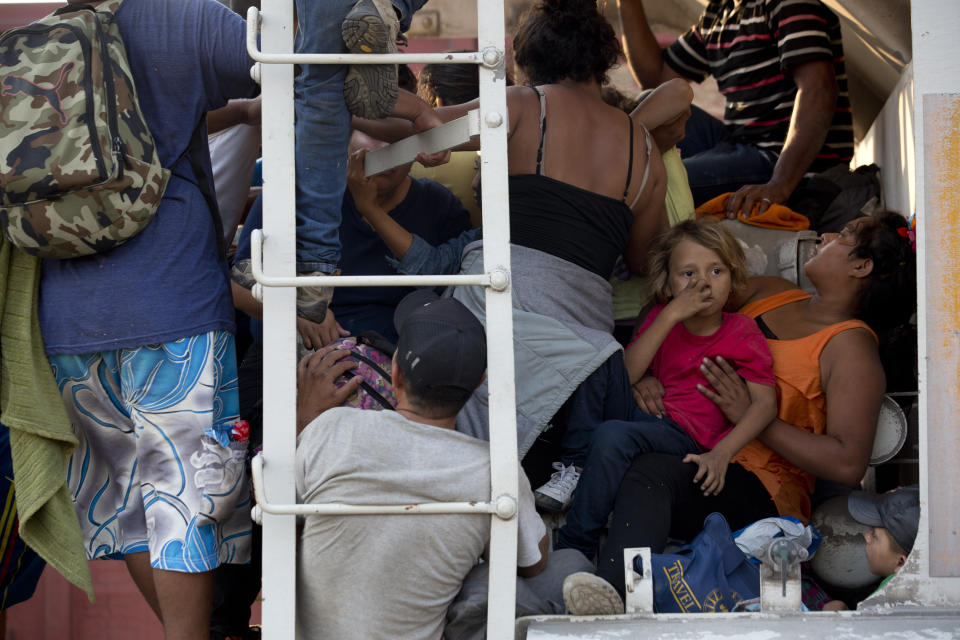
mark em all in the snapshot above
pixel 614 445
pixel 604 395
pixel 323 130
pixel 716 163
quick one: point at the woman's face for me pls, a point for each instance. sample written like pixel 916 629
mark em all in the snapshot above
pixel 833 251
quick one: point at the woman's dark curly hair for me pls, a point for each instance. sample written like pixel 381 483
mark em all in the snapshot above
pixel 559 39
pixel 453 83
pixel 890 297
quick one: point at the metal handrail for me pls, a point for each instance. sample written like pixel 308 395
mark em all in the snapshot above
pixel 504 507
pixel 497 279
pixel 487 58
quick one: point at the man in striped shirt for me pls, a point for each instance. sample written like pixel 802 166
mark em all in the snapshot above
pixel 779 64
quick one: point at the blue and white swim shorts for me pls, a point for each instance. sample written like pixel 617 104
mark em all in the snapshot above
pixel 161 463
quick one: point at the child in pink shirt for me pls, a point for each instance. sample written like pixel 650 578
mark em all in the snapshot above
pixel 694 267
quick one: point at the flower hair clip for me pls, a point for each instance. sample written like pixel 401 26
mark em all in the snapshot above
pixel 910 235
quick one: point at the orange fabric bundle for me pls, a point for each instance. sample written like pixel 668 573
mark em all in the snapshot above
pixel 777 216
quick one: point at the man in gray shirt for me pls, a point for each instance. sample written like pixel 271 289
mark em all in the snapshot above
pixel 397 575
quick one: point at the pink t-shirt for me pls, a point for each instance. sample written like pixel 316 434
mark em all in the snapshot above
pixel 677 366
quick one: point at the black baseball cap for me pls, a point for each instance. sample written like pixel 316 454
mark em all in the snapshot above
pixel 897 511
pixel 441 343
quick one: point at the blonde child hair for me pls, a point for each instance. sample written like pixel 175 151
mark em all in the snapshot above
pixel 707 233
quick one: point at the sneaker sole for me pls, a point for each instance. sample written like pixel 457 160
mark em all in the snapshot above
pixel 370 91
pixel 549 504
pixel 585 594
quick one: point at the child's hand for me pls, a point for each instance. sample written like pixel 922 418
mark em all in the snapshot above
pixel 362 189
pixel 648 393
pixel 693 299
pixel 713 465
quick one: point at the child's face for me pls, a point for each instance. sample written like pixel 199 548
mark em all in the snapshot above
pixel 690 262
pixel 882 559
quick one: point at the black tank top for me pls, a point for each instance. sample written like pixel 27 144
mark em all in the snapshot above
pixel 583 227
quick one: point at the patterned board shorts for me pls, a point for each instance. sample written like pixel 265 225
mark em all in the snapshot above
pixel 161 463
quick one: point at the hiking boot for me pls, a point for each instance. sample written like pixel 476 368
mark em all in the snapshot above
pixel 585 594
pixel 370 90
pixel 557 494
pixel 242 273
pixel 312 302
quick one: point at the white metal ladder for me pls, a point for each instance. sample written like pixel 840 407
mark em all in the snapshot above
pixel 273 250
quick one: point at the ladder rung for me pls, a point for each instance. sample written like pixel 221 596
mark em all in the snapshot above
pixel 497 278
pixel 446 136
pixel 504 507
pixel 253 26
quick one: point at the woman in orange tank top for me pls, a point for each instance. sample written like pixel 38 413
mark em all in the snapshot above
pixel 824 356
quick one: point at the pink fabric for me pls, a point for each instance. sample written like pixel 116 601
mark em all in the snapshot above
pixel 677 367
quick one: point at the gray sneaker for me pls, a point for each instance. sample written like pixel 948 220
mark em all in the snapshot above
pixel 557 494
pixel 312 302
pixel 585 594
pixel 370 90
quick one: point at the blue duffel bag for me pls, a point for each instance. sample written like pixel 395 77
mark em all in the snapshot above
pixel 710 574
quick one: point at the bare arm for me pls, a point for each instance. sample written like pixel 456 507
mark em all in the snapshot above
pixel 364 194
pixel 713 464
pixel 665 104
pixel 813 109
pixel 641 47
pixel 851 374
pixel 409 111
pixel 650 216
pixel 236 112
pixel 312 334
pixel 853 382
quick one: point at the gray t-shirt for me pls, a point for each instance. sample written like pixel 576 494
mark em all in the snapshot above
pixel 391 576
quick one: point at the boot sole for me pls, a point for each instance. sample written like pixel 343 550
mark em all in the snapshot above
pixel 588 595
pixel 370 91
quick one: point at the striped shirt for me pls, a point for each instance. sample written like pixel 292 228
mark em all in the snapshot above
pixel 749 46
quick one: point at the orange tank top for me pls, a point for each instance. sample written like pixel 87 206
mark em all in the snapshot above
pixel 801 402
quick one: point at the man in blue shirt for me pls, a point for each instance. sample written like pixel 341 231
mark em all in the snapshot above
pixel 140 339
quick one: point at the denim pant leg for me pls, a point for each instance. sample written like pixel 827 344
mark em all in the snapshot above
pixel 615 444
pixel 322 134
pixel 604 395
pixel 702 133
pixel 323 131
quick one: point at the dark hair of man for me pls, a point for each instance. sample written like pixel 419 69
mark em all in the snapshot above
pixel 435 401
pixel 560 39
pixel 890 295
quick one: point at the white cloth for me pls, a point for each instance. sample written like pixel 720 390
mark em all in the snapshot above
pixel 393 575
pixel 754 538
pixel 233 154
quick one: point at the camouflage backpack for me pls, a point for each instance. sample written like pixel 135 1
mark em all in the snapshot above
pixel 79 172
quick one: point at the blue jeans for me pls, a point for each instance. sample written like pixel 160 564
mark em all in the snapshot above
pixel 323 130
pixel 716 163
pixel 614 445
pixel 604 395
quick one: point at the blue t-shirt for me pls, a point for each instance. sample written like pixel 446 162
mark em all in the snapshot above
pixel 430 211
pixel 187 57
